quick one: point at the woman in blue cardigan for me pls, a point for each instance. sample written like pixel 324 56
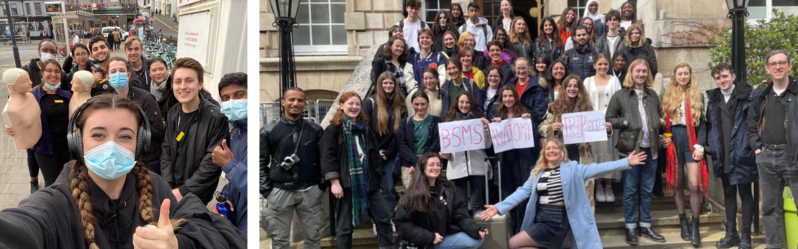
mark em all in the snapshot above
pixel 557 207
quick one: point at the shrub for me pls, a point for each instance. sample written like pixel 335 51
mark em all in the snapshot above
pixel 780 33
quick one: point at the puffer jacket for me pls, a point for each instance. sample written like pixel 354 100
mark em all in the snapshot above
pixel 580 62
pixel 742 161
pixel 646 51
pixel 755 117
pixel 627 125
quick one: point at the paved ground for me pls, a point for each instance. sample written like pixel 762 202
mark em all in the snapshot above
pixel 166 25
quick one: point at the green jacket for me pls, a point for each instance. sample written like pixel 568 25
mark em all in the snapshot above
pixel 623 114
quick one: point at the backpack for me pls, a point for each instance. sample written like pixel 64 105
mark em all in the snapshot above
pixel 484 30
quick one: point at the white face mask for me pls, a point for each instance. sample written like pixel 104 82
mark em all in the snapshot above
pixel 47 56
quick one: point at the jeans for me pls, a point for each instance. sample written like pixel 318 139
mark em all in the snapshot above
pixel 775 169
pixel 279 212
pixel 477 190
pixel 639 180
pixel 459 240
pixel 387 184
pixel 378 213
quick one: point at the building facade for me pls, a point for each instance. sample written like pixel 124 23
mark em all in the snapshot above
pixel 28 15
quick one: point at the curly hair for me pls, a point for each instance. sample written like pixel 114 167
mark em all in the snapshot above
pixel 564 104
pixel 476 109
pixel 338 118
pixel 673 97
pixel 387 52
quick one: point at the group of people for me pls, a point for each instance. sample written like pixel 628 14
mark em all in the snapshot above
pixel 117 131
pixel 466 68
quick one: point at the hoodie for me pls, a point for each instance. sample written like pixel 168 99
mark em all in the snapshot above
pixel 482 31
pixel 236 173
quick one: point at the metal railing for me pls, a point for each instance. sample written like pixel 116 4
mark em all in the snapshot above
pixel 314 110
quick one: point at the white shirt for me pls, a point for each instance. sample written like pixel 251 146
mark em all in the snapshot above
pixel 727 95
pixel 481 38
pixel 612 41
pixel 489 96
pixel 410 31
pixel 75 40
pixel 778 91
pixel 625 24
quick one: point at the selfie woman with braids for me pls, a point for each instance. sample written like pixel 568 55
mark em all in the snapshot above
pixel 107 199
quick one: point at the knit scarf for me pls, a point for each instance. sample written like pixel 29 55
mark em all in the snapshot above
pixel 358 169
pixel 672 163
pixel 450 51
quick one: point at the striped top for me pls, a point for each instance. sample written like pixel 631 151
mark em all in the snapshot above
pixel 550 187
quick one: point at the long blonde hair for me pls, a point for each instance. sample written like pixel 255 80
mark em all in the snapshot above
pixel 629 82
pixel 627 40
pixel 540 164
pixel 674 97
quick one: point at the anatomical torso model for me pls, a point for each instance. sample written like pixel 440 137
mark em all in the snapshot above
pixel 22 110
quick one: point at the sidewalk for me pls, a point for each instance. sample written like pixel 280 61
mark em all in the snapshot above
pixel 166 20
pixel 14 179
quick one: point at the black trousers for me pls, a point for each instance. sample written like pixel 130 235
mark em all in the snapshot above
pixel 51 165
pixel 33 166
pixel 730 201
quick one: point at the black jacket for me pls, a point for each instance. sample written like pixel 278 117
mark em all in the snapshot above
pixel 206 132
pixel 145 80
pixel 580 62
pixel 419 228
pixel 646 51
pixel 74 68
pixel 523 50
pixel 406 142
pixel 438 46
pixel 380 65
pixel 278 141
pixel 335 157
pixel 547 49
pixel 50 218
pixel 603 46
pixel 35 74
pixel 151 157
pixel 627 125
pixel 741 160
pixel 790 105
pixel 387 141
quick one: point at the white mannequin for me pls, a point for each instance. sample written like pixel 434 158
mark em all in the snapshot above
pixel 81 89
pixel 22 110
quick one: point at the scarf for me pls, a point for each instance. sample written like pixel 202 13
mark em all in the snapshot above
pixel 462 116
pixel 672 163
pixel 450 51
pixel 500 64
pixel 358 169
pixel 157 91
pixel 596 17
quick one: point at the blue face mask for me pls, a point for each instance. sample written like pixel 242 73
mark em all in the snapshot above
pixel 109 160
pixel 51 87
pixel 235 109
pixel 118 80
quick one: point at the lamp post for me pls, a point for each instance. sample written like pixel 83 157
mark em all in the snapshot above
pixel 738 10
pixel 13 35
pixel 285 19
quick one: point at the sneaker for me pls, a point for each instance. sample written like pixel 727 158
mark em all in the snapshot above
pixel 600 194
pixel 608 194
pixel 374 227
pixel 34 186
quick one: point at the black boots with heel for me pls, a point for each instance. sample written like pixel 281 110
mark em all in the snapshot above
pixel 695 235
pixel 685 227
pixel 731 239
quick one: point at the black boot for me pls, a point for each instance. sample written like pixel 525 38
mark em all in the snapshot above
pixel 34 186
pixel 745 242
pixel 685 227
pixel 732 238
pixel 631 236
pixel 649 233
pixel 695 235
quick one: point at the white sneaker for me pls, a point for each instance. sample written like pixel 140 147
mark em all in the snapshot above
pixel 608 194
pixel 600 194
pixel 374 227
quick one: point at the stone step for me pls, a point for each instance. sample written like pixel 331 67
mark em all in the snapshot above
pixel 361 238
pixel 674 240
pixel 661 220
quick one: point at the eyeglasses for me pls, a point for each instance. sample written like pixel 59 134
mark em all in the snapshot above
pixel 81 54
pixel 494 77
pixel 780 63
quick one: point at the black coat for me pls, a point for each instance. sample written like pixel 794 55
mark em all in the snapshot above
pixel 335 157
pixel 201 175
pixel 387 142
pixel 49 218
pixel 420 228
pixel 646 51
pixel 742 161
pixel 35 74
pixel 580 62
pixel 547 49
pixel 152 156
pixel 755 117
pixel 277 142
pixel 406 142
pixel 145 80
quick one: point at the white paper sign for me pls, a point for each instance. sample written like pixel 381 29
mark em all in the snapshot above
pixel 512 133
pixel 193 36
pixel 583 127
pixel 463 135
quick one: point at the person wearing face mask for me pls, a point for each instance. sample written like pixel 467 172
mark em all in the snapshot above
pixel 393 60
pixel 194 127
pixel 351 162
pixel 106 197
pixel 231 156
pixel 455 85
pixel 50 151
pixel 119 78
pixel 47 51
pixel 442 24
pixel 425 58
pixel 80 53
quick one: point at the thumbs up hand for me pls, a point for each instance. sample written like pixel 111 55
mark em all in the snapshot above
pixel 222 155
pixel 163 236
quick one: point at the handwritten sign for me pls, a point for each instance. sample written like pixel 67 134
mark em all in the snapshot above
pixel 583 127
pixel 463 135
pixel 513 133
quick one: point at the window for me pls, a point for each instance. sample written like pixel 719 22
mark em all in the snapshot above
pixel 321 27
pixel 761 9
pixel 431 8
pixel 14 10
pixel 3 8
pixel 579 5
pixel 38 8
pixel 27 9
pixel 491 9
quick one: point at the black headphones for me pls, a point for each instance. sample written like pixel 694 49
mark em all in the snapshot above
pixel 75 138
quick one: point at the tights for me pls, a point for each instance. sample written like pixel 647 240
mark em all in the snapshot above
pixel 730 201
pixel 33 166
pixel 695 191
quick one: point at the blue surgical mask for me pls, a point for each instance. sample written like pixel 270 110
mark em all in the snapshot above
pixel 235 109
pixel 110 160
pixel 51 87
pixel 118 80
